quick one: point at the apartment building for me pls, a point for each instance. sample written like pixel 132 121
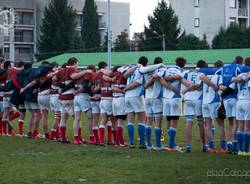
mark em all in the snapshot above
pixel 21 43
pixel 201 17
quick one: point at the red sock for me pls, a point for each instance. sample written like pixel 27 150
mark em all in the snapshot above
pixel 1 126
pixel 102 133
pixel 80 133
pixel 47 136
pixel 35 133
pixel 14 115
pixel 52 134
pixel 20 127
pixel 4 128
pixel 96 134
pixel 9 130
pixel 109 128
pixel 92 138
pixel 114 135
pixel 57 132
pixel 120 132
pixel 63 132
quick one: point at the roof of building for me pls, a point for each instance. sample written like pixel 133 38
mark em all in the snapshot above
pixel 118 58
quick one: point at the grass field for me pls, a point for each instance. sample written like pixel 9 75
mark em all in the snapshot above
pixel 24 160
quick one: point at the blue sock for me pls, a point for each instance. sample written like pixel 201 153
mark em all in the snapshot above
pixel 188 147
pixel 223 144
pixel 172 133
pixel 211 145
pixel 239 136
pixel 158 137
pixel 235 145
pixel 141 132
pixel 148 134
pixel 229 146
pixel 131 133
pixel 246 141
pixel 213 132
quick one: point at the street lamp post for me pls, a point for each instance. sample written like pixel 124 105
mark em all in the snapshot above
pixel 163 37
pixel 109 37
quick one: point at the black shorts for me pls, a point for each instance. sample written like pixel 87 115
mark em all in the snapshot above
pixel 122 117
pixel 173 118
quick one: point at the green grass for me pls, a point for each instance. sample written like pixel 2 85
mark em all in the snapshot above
pixel 24 160
pixel 120 58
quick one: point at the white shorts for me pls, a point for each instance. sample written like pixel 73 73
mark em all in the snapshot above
pixel 31 105
pixel 82 103
pixel 44 102
pixel 106 106
pixel 193 108
pixel 172 107
pixel 118 106
pixel 243 110
pixel 67 106
pixel 210 110
pixel 135 104
pixel 230 107
pixel 6 103
pixel 95 107
pixel 55 105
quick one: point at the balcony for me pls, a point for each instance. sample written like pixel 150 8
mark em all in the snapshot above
pixel 242 12
pixel 24 57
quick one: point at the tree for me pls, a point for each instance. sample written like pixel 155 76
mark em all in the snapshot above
pixel 57 27
pixel 122 42
pixel 191 42
pixel 232 37
pixel 162 22
pixel 90 26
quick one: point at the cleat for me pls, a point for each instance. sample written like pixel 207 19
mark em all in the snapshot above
pixel 235 152
pixel 132 146
pixel 222 151
pixel 187 151
pixel 142 146
pixel 77 142
pixel 65 141
pixel 158 148
pixel 83 141
pixel 91 142
pixel 204 148
pixel 212 151
pixel 149 147
pixel 102 144
pixel 97 143
pixel 110 143
pixel 123 145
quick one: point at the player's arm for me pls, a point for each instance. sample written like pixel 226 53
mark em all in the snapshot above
pixel 186 83
pixel 78 75
pixel 172 78
pixel 151 68
pixel 132 86
pixel 108 79
pixel 244 69
pixel 31 84
pixel 116 90
pixel 52 74
pixel 169 86
pixel 130 71
pixel 205 79
pixel 149 83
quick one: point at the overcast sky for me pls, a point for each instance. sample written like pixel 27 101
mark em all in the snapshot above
pixel 139 9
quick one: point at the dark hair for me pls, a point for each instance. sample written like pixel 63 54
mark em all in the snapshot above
pixel 91 67
pixel 247 61
pixel 6 64
pixel 143 61
pixel 180 61
pixel 1 60
pixel 72 61
pixel 54 64
pixel 115 68
pixel 64 65
pixel 218 64
pixel 27 66
pixel 20 64
pixel 102 64
pixel 158 60
pixel 201 64
pixel 239 60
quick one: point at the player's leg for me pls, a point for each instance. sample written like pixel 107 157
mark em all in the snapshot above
pixel 76 126
pixel 149 121
pixel 37 118
pixel 131 120
pixel 208 126
pixel 246 137
pixel 90 126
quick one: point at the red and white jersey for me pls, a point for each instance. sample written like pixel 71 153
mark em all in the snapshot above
pixel 106 87
pixel 3 79
pixel 11 73
pixel 64 76
pixel 119 83
pixel 85 77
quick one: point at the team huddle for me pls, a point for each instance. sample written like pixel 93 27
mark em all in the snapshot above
pixel 146 93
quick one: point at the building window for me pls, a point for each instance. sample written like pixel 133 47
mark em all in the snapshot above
pixel 196 3
pixel 232 20
pixel 232 3
pixel 197 22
